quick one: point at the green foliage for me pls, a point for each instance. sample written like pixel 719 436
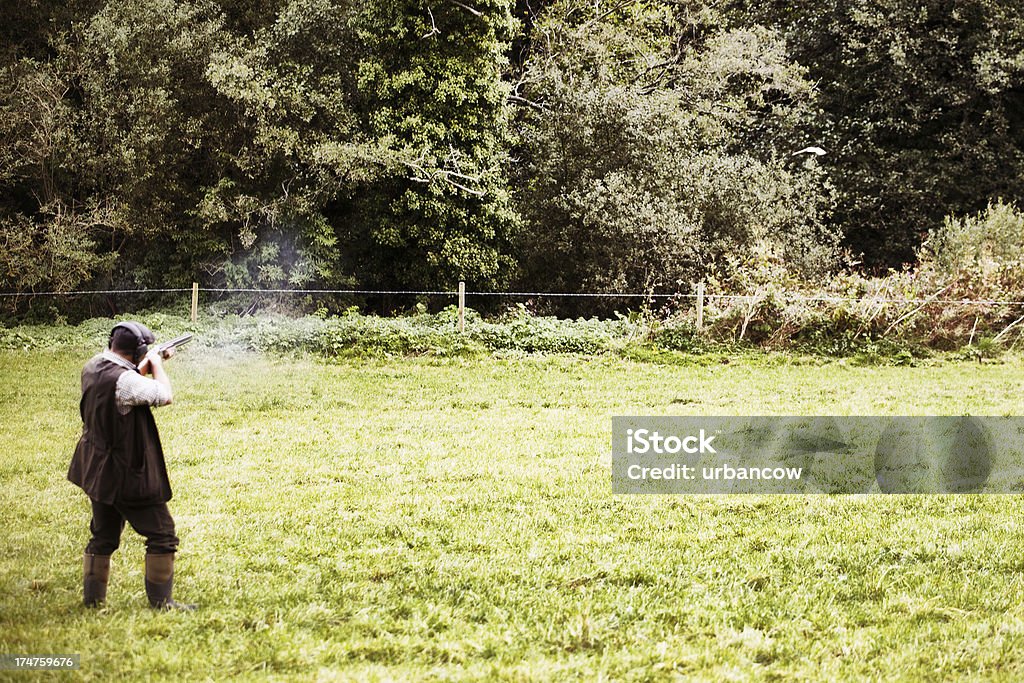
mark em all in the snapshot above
pixel 149 126
pixel 357 335
pixel 680 335
pixel 88 335
pixel 869 332
pixel 634 146
pixel 429 91
pixel 655 145
pixel 530 334
pixel 922 108
pixel 57 250
pixel 264 144
pixel 289 88
pixel 989 241
pixel 50 238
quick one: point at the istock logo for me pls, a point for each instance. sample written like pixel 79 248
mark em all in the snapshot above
pixel 645 441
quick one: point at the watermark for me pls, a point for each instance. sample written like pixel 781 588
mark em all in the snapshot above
pixel 40 662
pixel 817 454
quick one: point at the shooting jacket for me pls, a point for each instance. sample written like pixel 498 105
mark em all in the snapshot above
pixel 119 459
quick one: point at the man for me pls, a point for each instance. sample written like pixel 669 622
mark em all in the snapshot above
pixel 119 462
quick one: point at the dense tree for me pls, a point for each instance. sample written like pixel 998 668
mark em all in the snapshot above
pixel 31 29
pixel 923 108
pixel 656 145
pixel 51 228
pixel 113 134
pixel 321 141
pixel 296 145
pixel 150 125
pixel 382 129
pixel 557 144
pixel 430 92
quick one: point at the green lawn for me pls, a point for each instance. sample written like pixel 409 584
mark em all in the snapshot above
pixel 427 519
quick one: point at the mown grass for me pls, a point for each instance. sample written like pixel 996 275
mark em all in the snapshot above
pixel 452 519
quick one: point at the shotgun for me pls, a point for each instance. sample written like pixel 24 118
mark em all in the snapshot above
pixel 174 343
pixel 162 349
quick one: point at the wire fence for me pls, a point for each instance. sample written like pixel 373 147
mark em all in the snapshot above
pixel 706 296
pixel 766 313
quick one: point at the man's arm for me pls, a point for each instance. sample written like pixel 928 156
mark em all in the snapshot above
pixel 155 362
pixel 133 389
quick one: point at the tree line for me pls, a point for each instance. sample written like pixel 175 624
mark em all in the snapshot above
pixel 560 145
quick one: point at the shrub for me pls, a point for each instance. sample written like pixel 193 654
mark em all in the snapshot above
pixel 990 241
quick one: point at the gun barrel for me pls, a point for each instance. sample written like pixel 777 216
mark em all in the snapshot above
pixel 176 342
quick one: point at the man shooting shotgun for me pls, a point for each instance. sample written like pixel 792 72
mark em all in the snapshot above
pixel 119 461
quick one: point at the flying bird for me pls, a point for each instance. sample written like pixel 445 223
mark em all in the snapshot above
pixel 816 151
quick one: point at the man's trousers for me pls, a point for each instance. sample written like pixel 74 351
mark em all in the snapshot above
pixel 154 522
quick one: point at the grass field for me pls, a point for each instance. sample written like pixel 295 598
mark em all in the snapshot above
pixel 436 519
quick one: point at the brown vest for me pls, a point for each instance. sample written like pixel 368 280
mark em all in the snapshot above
pixel 119 459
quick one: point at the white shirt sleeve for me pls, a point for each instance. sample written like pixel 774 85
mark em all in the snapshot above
pixel 135 390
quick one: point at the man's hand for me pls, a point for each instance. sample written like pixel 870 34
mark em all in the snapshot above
pixel 154 363
pixel 148 363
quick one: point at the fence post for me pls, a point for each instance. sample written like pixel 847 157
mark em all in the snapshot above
pixel 462 307
pixel 700 306
pixel 195 301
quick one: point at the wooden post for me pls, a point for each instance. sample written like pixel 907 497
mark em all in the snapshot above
pixel 462 307
pixel 700 306
pixel 195 301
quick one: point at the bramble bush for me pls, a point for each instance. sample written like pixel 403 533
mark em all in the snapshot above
pixel 961 293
